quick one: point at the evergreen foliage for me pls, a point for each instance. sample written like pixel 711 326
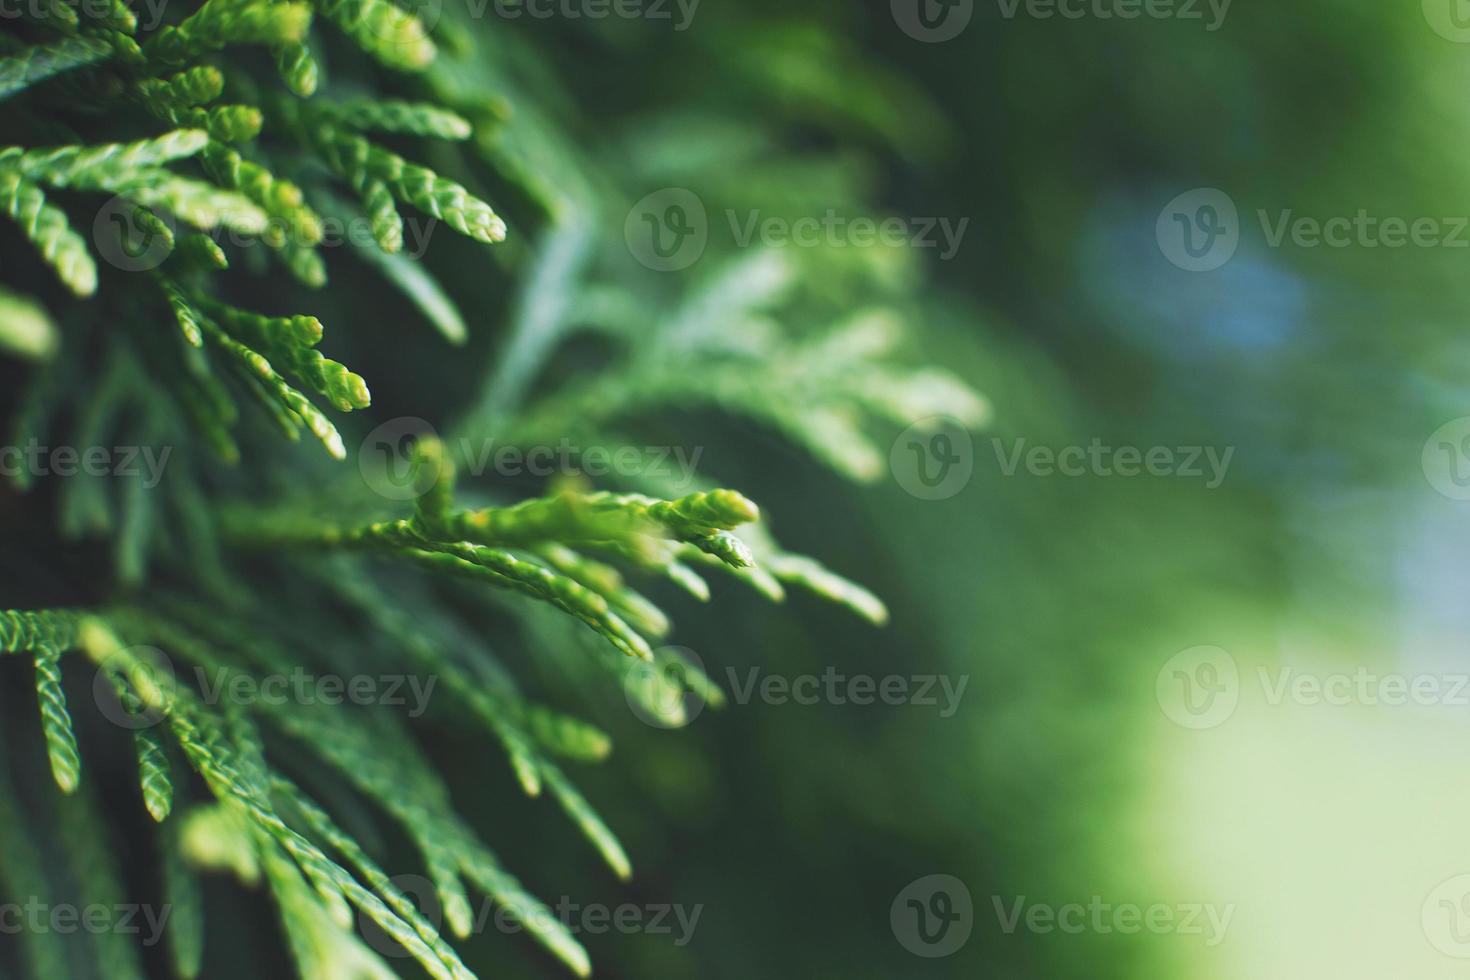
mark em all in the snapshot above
pixel 257 562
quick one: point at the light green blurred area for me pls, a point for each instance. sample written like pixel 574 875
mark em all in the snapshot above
pixel 1331 830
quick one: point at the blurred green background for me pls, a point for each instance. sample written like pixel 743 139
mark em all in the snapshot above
pixel 1325 550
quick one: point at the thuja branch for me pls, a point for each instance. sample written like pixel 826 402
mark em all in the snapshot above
pixel 523 547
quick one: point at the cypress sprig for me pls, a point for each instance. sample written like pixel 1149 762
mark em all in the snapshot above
pixel 27 631
pixel 285 403
pixel 607 582
pixel 201 205
pixel 177 101
pixel 393 911
pixel 812 575
pixel 183 312
pixel 304 263
pixel 361 162
pixel 601 518
pixel 61 741
pixel 37 63
pixel 377 201
pixel 46 634
pixel 498 708
pixel 298 68
pixel 154 774
pixel 130 169
pixel 240 777
pixel 384 30
pixel 47 228
pixel 203 252
pixel 221 22
pixel 118 17
pixel 288 407
pixel 153 227
pixel 398 116
pixel 697 512
pixel 279 198
pixel 58 10
pixel 69 166
pixel 478 544
pixel 192 87
pixel 226 123
pixel 268 334
pixel 500 567
pixel 592 825
pixel 287 342
pixel 125 48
